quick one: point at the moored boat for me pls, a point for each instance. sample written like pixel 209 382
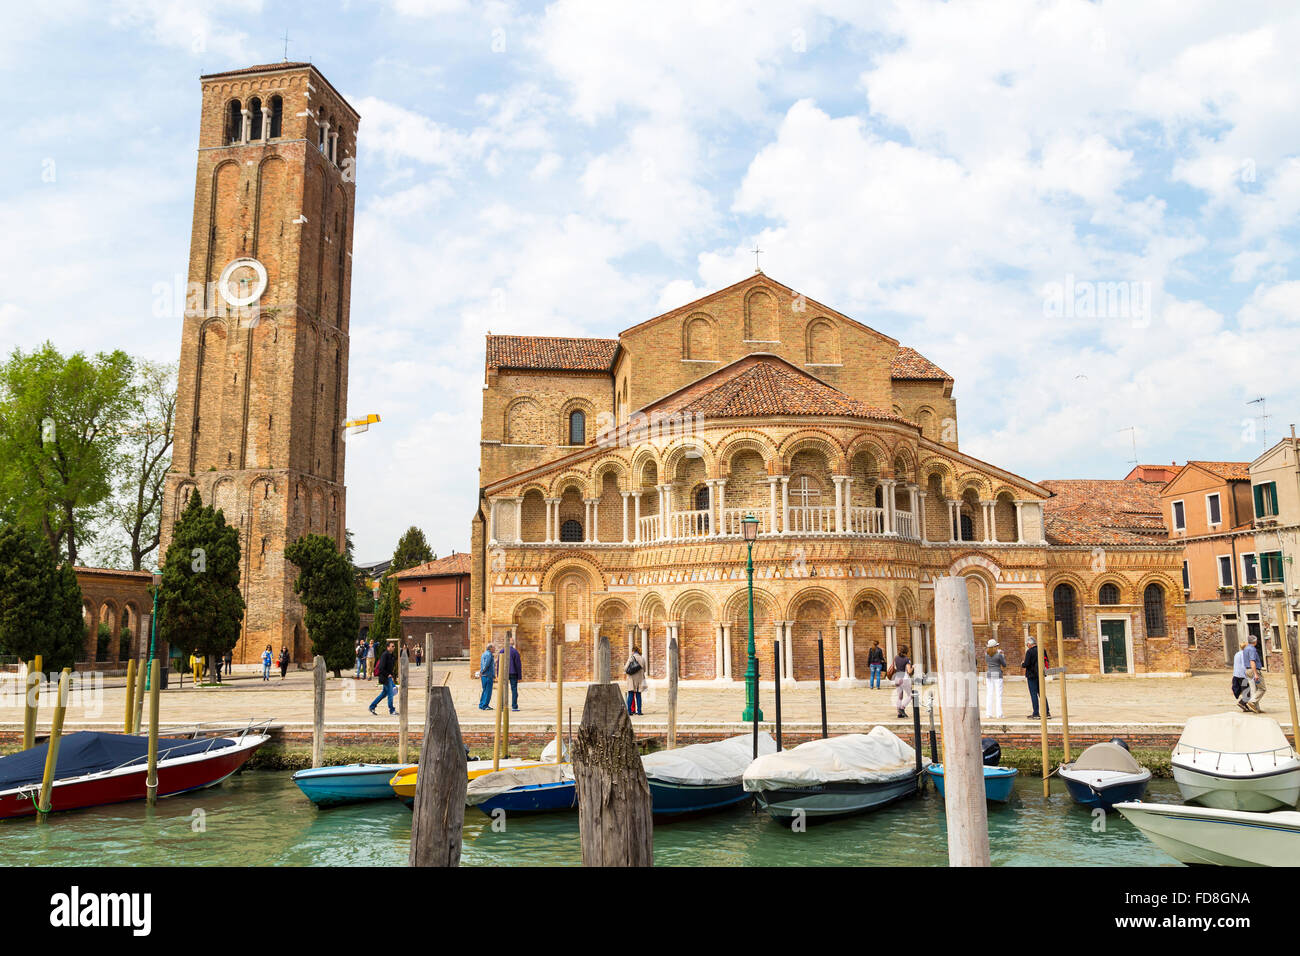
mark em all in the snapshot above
pixel 999 782
pixel 1105 774
pixel 702 777
pixel 402 783
pixel 543 788
pixel 95 768
pixel 834 777
pixel 1236 762
pixel 1209 836
pixel 352 783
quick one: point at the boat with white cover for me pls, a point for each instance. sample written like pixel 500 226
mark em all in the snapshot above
pixel 1236 761
pixel 543 788
pixel 834 777
pixel 1105 774
pixel 702 777
pixel 1211 837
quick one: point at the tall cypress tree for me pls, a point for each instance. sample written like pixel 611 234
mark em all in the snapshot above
pixel 199 604
pixel 326 588
pixel 40 601
pixel 412 549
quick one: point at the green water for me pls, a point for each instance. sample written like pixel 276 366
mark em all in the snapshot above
pixel 260 818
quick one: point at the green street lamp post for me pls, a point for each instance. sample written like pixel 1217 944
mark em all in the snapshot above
pixel 153 630
pixel 752 712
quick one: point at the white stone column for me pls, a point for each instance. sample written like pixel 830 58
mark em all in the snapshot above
pixel 266 123
pixel 891 641
pixel 625 495
pixel 987 508
pixel 326 127
pixel 887 499
pixel 1020 523
pixel 595 520
pixel 954 520
pixel 519 519
pixel 492 522
pixel 717 652
pixel 787 651
pixel 334 147
pixel 665 511
pixel 636 517
pixel 785 504
pixel 848 640
pixel 839 503
pixel 920 515
pixel 772 482
pixel 726 651
pixel 245 125
pixel 913 493
pixel 848 504
pixel 722 506
pixel 841 627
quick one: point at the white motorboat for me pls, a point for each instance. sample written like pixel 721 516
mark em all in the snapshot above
pixel 834 777
pixel 1236 762
pixel 1209 837
pixel 1105 774
pixel 702 777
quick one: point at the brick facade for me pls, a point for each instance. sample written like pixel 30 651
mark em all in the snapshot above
pixel 262 390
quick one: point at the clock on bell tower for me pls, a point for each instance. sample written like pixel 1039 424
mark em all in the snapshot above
pixel 262 392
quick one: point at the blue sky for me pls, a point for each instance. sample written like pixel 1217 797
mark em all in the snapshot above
pixel 941 172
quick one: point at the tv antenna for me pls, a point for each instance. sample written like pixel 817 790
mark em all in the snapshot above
pixel 286 46
pixel 1132 430
pixel 1262 418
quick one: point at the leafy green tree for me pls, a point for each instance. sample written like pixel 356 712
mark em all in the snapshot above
pixel 326 588
pixel 40 601
pixel 60 430
pixel 199 604
pixel 412 549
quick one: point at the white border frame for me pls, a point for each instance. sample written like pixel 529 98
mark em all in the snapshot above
pixel 1208 519
pixel 1127 620
pixel 1243 556
pixel 1173 515
pixel 1218 571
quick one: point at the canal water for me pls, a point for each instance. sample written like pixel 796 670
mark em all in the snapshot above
pixel 260 818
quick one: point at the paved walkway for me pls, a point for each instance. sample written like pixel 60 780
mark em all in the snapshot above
pixel 1123 701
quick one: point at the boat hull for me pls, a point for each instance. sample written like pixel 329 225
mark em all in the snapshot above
pixel 833 800
pixel 354 783
pixel 1253 793
pixel 999 782
pixel 1210 837
pixel 1094 789
pixel 195 772
pixel 535 798
pixel 680 799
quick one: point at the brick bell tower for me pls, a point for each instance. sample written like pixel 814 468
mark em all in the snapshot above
pixel 262 391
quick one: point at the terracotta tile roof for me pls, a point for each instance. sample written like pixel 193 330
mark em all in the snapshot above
pixel 263 68
pixel 909 363
pixel 766 385
pixel 1096 512
pixel 550 353
pixel 452 564
pixel 1227 470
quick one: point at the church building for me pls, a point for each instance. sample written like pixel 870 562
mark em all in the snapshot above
pixel 616 474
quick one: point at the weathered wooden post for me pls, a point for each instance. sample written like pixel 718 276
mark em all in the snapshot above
pixel 40 671
pixel 505 697
pixel 501 706
pixel 602 660
pixel 559 703
pixel 1042 703
pixel 141 673
pixel 963 768
pixel 52 747
pixel 130 696
pixel 776 689
pixel 428 662
pixel 151 779
pixel 403 714
pixel 318 711
pixel 439 811
pixel 821 681
pixel 31 703
pixel 1280 610
pixel 1065 701
pixel 614 815
pixel 674 663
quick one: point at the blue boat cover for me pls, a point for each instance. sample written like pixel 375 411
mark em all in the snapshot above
pixel 91 752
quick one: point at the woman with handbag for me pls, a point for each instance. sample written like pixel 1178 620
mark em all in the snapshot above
pixel 635 671
pixel 901 673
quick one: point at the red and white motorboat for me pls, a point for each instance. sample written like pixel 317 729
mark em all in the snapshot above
pixel 96 768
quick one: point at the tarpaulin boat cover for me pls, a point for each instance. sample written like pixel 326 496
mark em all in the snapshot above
pixel 494 784
pixel 1233 733
pixel 716 764
pixel 877 757
pixel 1107 756
pixel 92 752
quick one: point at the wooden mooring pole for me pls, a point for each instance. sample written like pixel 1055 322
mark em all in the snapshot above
pixel 602 660
pixel 141 673
pixel 501 697
pixel 614 815
pixel 776 690
pixel 1280 610
pixel 559 702
pixel 963 769
pixel 1042 703
pixel 130 696
pixel 1065 700
pixel 403 713
pixel 673 663
pixel 821 681
pixel 52 747
pixel 31 704
pixel 151 778
pixel 318 711
pixel 439 811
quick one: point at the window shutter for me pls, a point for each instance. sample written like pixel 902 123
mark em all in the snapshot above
pixel 1259 501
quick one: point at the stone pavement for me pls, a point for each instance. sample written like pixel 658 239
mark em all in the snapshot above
pixel 1100 702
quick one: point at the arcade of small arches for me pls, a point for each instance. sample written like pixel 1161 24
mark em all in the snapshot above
pixel 805 487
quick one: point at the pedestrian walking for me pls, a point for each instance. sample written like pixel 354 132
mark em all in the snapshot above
pixel 1239 689
pixel 635 671
pixel 284 662
pixel 230 659
pixel 876 662
pixel 901 673
pixel 419 654
pixel 487 668
pixel 371 651
pixel 1254 681
pixel 515 672
pixel 360 660
pixel 266 664
pixel 385 667
pixel 996 663
pixel 1030 667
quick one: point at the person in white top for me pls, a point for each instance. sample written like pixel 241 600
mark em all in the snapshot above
pixel 997 663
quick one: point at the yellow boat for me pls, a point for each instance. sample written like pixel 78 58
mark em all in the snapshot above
pixel 403 782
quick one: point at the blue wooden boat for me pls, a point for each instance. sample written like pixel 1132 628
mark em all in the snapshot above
pixel 1104 775
pixel 998 781
pixel 353 783
pixel 701 778
pixel 542 789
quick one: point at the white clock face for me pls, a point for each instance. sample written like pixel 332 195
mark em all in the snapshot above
pixel 242 282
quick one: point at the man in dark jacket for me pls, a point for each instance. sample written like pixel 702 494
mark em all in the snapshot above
pixel 385 667
pixel 1030 665
pixel 516 673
